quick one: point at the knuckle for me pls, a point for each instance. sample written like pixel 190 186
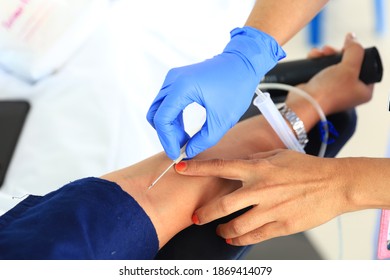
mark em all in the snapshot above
pixel 172 71
pixel 224 205
pixel 236 228
pixel 288 227
pixel 257 163
pixel 259 235
pixel 218 163
pixel 265 164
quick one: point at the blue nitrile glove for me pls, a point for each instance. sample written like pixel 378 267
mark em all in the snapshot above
pixel 224 85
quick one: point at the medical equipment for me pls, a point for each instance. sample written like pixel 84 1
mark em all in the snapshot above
pixel 287 136
pixel 38 36
pixel 299 71
pixel 192 111
pixel 272 115
pixel 176 161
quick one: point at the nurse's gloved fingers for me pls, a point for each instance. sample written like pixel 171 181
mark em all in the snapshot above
pixel 168 138
pixel 165 89
pixel 203 139
pixel 168 122
pixel 153 109
pixel 173 141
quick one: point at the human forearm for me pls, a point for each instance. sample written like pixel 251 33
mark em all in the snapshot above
pixel 366 182
pixel 171 203
pixel 284 18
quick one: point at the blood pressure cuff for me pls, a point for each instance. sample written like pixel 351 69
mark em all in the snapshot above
pixel 89 218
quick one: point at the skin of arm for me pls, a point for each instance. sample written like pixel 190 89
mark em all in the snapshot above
pixel 291 192
pixel 172 201
pixel 282 19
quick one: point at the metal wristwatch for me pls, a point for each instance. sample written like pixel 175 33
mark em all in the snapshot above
pixel 296 123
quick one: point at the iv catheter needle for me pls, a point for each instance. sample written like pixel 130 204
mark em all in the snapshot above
pixel 162 174
pixel 179 159
pixel 182 156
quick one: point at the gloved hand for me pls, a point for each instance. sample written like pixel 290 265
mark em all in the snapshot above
pixel 224 85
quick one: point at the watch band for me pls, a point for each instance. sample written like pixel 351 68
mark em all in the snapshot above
pixel 296 123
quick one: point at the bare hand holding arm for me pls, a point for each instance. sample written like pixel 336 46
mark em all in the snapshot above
pixel 291 192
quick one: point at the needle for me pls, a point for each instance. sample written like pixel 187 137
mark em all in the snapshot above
pixel 176 161
pixel 162 174
pixel 179 159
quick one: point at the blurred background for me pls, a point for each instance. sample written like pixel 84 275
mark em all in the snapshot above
pixel 92 76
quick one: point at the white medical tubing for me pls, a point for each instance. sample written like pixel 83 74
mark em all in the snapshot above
pixel 324 121
pixel 277 122
pixel 272 115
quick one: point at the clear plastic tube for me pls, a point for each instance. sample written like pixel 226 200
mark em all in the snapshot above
pixel 272 115
pixel 305 95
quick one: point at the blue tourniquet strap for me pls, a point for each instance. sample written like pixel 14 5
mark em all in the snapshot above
pixel 89 218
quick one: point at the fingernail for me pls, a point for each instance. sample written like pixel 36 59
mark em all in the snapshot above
pixel 351 36
pixel 195 219
pixel 181 166
pixel 229 241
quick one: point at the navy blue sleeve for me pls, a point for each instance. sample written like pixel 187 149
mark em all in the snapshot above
pixel 89 218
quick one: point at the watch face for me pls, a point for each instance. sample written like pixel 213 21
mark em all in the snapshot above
pixel 12 117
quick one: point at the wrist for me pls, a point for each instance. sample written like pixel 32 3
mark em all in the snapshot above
pixel 322 99
pixel 367 183
pixel 304 110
